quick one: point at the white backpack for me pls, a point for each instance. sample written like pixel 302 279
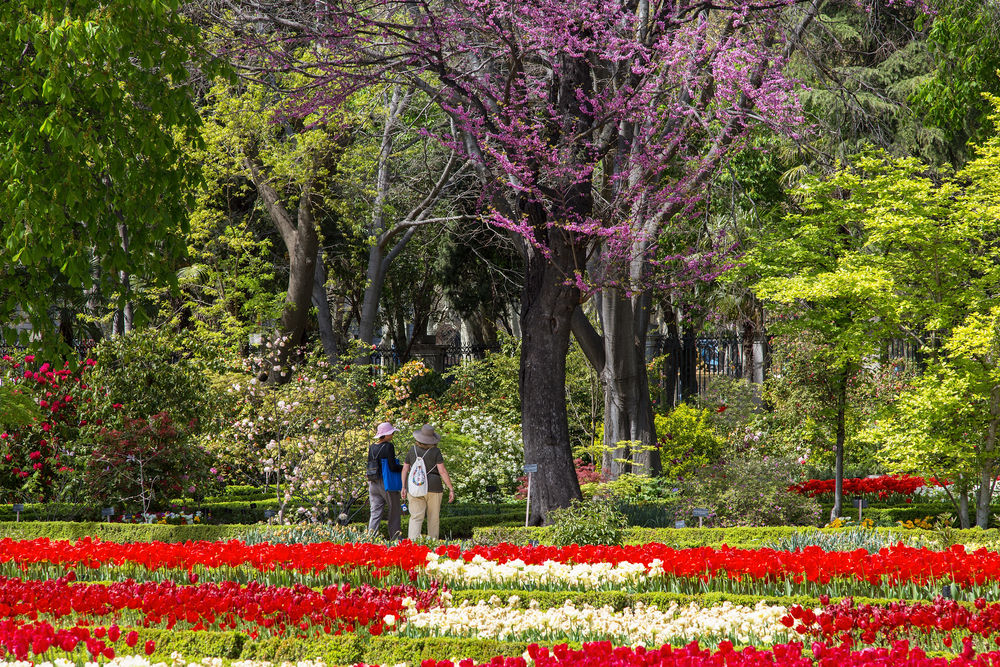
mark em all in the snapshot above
pixel 416 484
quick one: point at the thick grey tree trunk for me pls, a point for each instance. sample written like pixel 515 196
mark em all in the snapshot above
pixel 324 319
pixel 302 243
pixel 547 308
pixel 629 432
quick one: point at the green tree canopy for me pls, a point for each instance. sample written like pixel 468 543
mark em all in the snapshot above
pixel 93 115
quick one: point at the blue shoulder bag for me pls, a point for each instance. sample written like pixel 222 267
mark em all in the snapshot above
pixel 392 481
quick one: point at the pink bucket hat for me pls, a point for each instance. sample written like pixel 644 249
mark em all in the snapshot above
pixel 385 428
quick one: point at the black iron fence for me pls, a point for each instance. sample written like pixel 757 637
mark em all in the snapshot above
pixel 686 365
pixel 387 359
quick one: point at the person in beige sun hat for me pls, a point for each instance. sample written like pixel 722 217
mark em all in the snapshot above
pixel 437 478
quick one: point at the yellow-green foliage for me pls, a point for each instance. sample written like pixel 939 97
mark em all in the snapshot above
pixel 687 441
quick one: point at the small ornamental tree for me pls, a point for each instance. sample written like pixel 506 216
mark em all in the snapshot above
pixel 145 463
pixel 306 440
pixel 936 429
pixel 880 250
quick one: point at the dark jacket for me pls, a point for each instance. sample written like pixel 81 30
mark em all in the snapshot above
pixel 384 450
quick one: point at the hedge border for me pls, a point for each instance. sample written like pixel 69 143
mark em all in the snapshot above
pixel 740 537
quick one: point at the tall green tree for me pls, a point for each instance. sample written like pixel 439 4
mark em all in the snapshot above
pixel 882 250
pixel 93 116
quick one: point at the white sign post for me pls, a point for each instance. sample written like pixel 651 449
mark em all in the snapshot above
pixel 530 469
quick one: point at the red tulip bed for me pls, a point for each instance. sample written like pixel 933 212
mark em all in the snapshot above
pixel 883 487
pixel 93 600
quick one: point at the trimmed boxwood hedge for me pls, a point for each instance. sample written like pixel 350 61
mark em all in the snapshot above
pixel 452 527
pixel 683 538
pixel 346 649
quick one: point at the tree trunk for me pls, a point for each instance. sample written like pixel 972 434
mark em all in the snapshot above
pixel 301 277
pixel 749 334
pixel 671 366
pixel 324 319
pixel 963 508
pixel 629 433
pixel 688 364
pixel 986 480
pixel 547 307
pixel 302 243
pixel 122 323
pixel 838 489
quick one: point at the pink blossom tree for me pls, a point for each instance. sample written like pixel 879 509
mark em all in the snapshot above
pixel 594 127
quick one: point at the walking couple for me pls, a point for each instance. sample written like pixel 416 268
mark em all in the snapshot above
pixel 388 480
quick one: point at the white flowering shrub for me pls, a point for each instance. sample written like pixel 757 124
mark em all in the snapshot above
pixel 482 450
pixel 305 440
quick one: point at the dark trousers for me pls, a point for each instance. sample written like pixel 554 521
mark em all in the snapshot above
pixel 381 500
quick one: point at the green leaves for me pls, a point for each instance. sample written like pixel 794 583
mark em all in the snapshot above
pixel 87 143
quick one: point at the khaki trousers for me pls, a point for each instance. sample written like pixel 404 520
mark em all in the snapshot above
pixel 429 505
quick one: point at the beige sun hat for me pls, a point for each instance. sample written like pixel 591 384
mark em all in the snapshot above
pixel 427 435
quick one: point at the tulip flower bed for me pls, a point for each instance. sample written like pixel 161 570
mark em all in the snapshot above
pixel 884 487
pixel 390 604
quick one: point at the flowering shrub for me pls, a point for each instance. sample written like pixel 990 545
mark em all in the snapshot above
pixel 486 451
pixel 38 459
pixel 307 438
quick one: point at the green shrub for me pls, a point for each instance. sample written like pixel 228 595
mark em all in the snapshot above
pixel 736 537
pixel 396 650
pixel 489 384
pixel 750 490
pixel 687 441
pixel 152 371
pixel 587 523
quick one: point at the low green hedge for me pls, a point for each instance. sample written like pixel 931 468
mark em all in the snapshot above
pixel 452 527
pixel 741 537
pixel 346 649
pixel 115 532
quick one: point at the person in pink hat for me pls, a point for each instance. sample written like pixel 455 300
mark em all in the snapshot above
pixel 378 497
